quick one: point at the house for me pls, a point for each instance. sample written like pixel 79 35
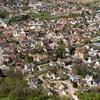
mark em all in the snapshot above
pixel 74 78
pixel 1 73
pixel 19 35
pixel 60 88
pixel 1 56
pixel 89 80
pixel 98 53
pixel 40 58
pixel 79 53
pixel 3 70
pixel 92 52
pixel 52 64
pixel 46 84
pixel 32 81
pixel 7 33
pixel 18 67
pixel 28 68
pixel 97 64
pixel 4 67
pixel 3 24
pixel 96 45
pixel 51 76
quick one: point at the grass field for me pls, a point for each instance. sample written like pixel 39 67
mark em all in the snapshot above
pixel 4 98
pixel 82 1
pixel 85 1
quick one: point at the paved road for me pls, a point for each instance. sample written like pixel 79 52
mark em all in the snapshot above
pixel 71 90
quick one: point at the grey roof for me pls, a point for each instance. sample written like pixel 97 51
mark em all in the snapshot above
pixel 96 44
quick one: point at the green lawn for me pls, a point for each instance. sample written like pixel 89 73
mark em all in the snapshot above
pixel 89 96
pixel 4 98
pixel 44 65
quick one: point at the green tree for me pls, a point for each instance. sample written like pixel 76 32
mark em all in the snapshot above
pixel 60 51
